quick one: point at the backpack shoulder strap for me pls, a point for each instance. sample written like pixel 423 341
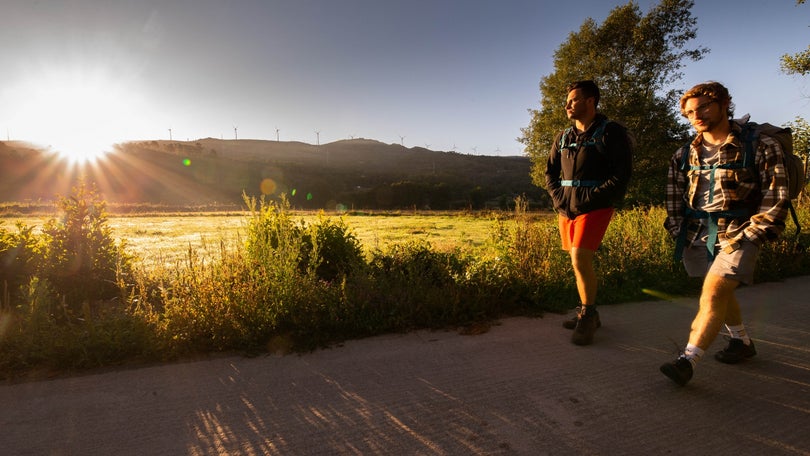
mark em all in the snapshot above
pixel 749 136
pixel 598 137
pixel 564 139
pixel 686 150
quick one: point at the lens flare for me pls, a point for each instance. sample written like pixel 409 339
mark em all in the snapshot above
pixel 268 186
pixel 658 294
pixel 186 162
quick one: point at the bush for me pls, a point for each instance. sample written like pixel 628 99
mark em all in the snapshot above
pixel 82 261
pixel 20 253
pixel 331 249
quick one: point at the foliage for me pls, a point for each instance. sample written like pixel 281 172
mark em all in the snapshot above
pixel 270 293
pixel 58 310
pixel 801 136
pixel 83 263
pixel 798 63
pixel 331 248
pixel 20 253
pixel 633 58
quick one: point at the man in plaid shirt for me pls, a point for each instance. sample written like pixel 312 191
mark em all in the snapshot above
pixel 720 216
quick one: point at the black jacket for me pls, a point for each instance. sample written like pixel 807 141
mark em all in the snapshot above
pixel 605 169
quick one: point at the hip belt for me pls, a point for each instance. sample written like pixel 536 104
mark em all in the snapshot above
pixel 712 219
pixel 581 183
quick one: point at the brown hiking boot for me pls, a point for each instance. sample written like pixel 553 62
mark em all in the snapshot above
pixel 736 351
pixel 572 323
pixel 587 323
pixel 679 371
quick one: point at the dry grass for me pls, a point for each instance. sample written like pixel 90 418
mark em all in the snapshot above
pixel 166 239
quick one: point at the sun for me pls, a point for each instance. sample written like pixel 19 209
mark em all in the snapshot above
pixel 79 114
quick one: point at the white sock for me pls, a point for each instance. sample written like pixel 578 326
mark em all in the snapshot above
pixel 739 332
pixel 692 353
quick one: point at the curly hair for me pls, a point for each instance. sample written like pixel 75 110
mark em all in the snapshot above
pixel 712 90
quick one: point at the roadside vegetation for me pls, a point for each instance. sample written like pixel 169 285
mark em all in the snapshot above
pixel 74 298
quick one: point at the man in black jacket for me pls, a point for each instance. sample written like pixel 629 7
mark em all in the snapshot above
pixel 587 173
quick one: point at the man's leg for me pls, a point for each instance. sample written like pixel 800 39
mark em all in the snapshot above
pixel 588 318
pixel 582 261
pixel 716 300
pixel 740 346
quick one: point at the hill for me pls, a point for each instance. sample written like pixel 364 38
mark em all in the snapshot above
pixel 351 174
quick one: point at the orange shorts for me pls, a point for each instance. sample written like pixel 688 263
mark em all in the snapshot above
pixel 586 230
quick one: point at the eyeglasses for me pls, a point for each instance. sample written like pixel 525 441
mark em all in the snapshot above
pixel 699 110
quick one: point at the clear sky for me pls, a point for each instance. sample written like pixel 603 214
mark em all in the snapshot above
pixel 445 74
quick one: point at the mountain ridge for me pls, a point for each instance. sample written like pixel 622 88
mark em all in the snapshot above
pixel 355 173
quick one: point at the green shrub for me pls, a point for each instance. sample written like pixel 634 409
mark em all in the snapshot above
pixel 20 253
pixel 535 268
pixel 331 248
pixel 81 260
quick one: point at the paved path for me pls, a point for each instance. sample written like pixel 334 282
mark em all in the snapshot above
pixel 519 389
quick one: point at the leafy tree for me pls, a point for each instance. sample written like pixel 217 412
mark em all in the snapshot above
pixel 801 139
pixel 798 63
pixel 633 58
pixel 801 136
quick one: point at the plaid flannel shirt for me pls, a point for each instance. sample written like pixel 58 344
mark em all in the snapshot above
pixel 765 192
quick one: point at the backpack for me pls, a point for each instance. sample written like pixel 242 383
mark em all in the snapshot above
pixel 750 134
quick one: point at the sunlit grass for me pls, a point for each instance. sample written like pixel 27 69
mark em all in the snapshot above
pixel 165 240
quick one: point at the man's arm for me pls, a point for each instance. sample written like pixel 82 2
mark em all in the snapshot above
pixel 769 222
pixel 676 188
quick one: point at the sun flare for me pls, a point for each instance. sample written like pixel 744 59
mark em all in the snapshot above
pixel 77 114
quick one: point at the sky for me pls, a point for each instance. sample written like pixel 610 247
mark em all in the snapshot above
pixel 450 75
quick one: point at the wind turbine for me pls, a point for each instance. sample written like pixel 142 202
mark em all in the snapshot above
pixel 170 134
pixel 235 136
pixel 401 140
pixel 318 137
pixel 277 130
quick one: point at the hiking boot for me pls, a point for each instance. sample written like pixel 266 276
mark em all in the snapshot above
pixel 572 323
pixel 679 371
pixel 587 323
pixel 735 352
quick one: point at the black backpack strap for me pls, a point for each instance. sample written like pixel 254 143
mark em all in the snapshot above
pixel 597 138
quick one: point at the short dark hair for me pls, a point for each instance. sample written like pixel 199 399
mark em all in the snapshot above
pixel 588 88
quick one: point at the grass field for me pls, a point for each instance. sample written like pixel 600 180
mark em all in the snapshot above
pixel 166 239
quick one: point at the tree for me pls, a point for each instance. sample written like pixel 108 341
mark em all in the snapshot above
pixel 634 59
pixel 801 139
pixel 798 63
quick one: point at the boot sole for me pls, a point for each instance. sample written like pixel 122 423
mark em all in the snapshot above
pixel 674 374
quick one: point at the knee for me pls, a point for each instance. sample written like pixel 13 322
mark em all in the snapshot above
pixel 581 259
